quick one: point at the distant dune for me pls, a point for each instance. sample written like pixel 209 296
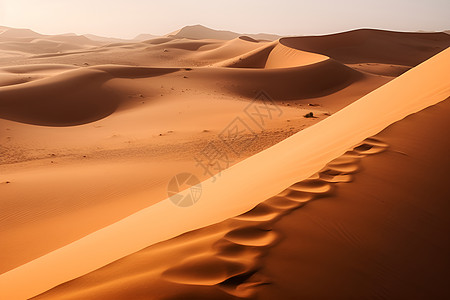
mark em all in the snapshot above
pixel 202 32
pixel 108 40
pixel 87 39
pixel 144 37
pixel 6 32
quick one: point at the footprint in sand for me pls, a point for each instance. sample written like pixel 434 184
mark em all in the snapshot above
pixel 252 236
pixel 371 146
pixel 282 203
pixel 261 213
pixel 204 270
pixel 313 186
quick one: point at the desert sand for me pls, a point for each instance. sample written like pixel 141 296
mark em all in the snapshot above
pixel 92 129
pixel 326 230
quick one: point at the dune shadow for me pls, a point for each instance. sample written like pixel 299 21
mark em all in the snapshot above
pixel 71 98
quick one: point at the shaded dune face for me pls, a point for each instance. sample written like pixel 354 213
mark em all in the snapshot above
pixel 59 102
pixel 71 98
pixel 377 46
pixel 294 83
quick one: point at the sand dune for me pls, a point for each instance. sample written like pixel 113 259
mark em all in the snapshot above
pixel 315 80
pixel 253 59
pixel 76 39
pixel 364 45
pixel 6 32
pixel 144 37
pixel 300 75
pixel 285 57
pixel 220 261
pixel 232 48
pixel 272 56
pixel 141 128
pixel 106 40
pixel 40 46
pixel 59 101
pixel 20 44
pixel 110 40
pixel 93 129
pixel 297 158
pixel 202 32
pixel 361 48
pixel 400 51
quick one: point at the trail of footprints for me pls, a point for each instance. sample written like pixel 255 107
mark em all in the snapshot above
pixel 234 263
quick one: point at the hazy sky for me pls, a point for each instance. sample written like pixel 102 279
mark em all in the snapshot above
pixel 127 18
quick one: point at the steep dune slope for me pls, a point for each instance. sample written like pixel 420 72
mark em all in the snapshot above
pixel 284 57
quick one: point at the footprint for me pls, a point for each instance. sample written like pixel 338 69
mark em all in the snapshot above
pixel 230 250
pixel 336 178
pixel 371 146
pixel 343 168
pixel 252 236
pixel 315 186
pixel 205 269
pixel 283 203
pixel 261 213
pixel 283 193
pixel 299 197
pixel 244 286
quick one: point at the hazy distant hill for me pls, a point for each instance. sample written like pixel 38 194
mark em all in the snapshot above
pixel 103 39
pixel 202 32
pixel 7 32
pixel 144 37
